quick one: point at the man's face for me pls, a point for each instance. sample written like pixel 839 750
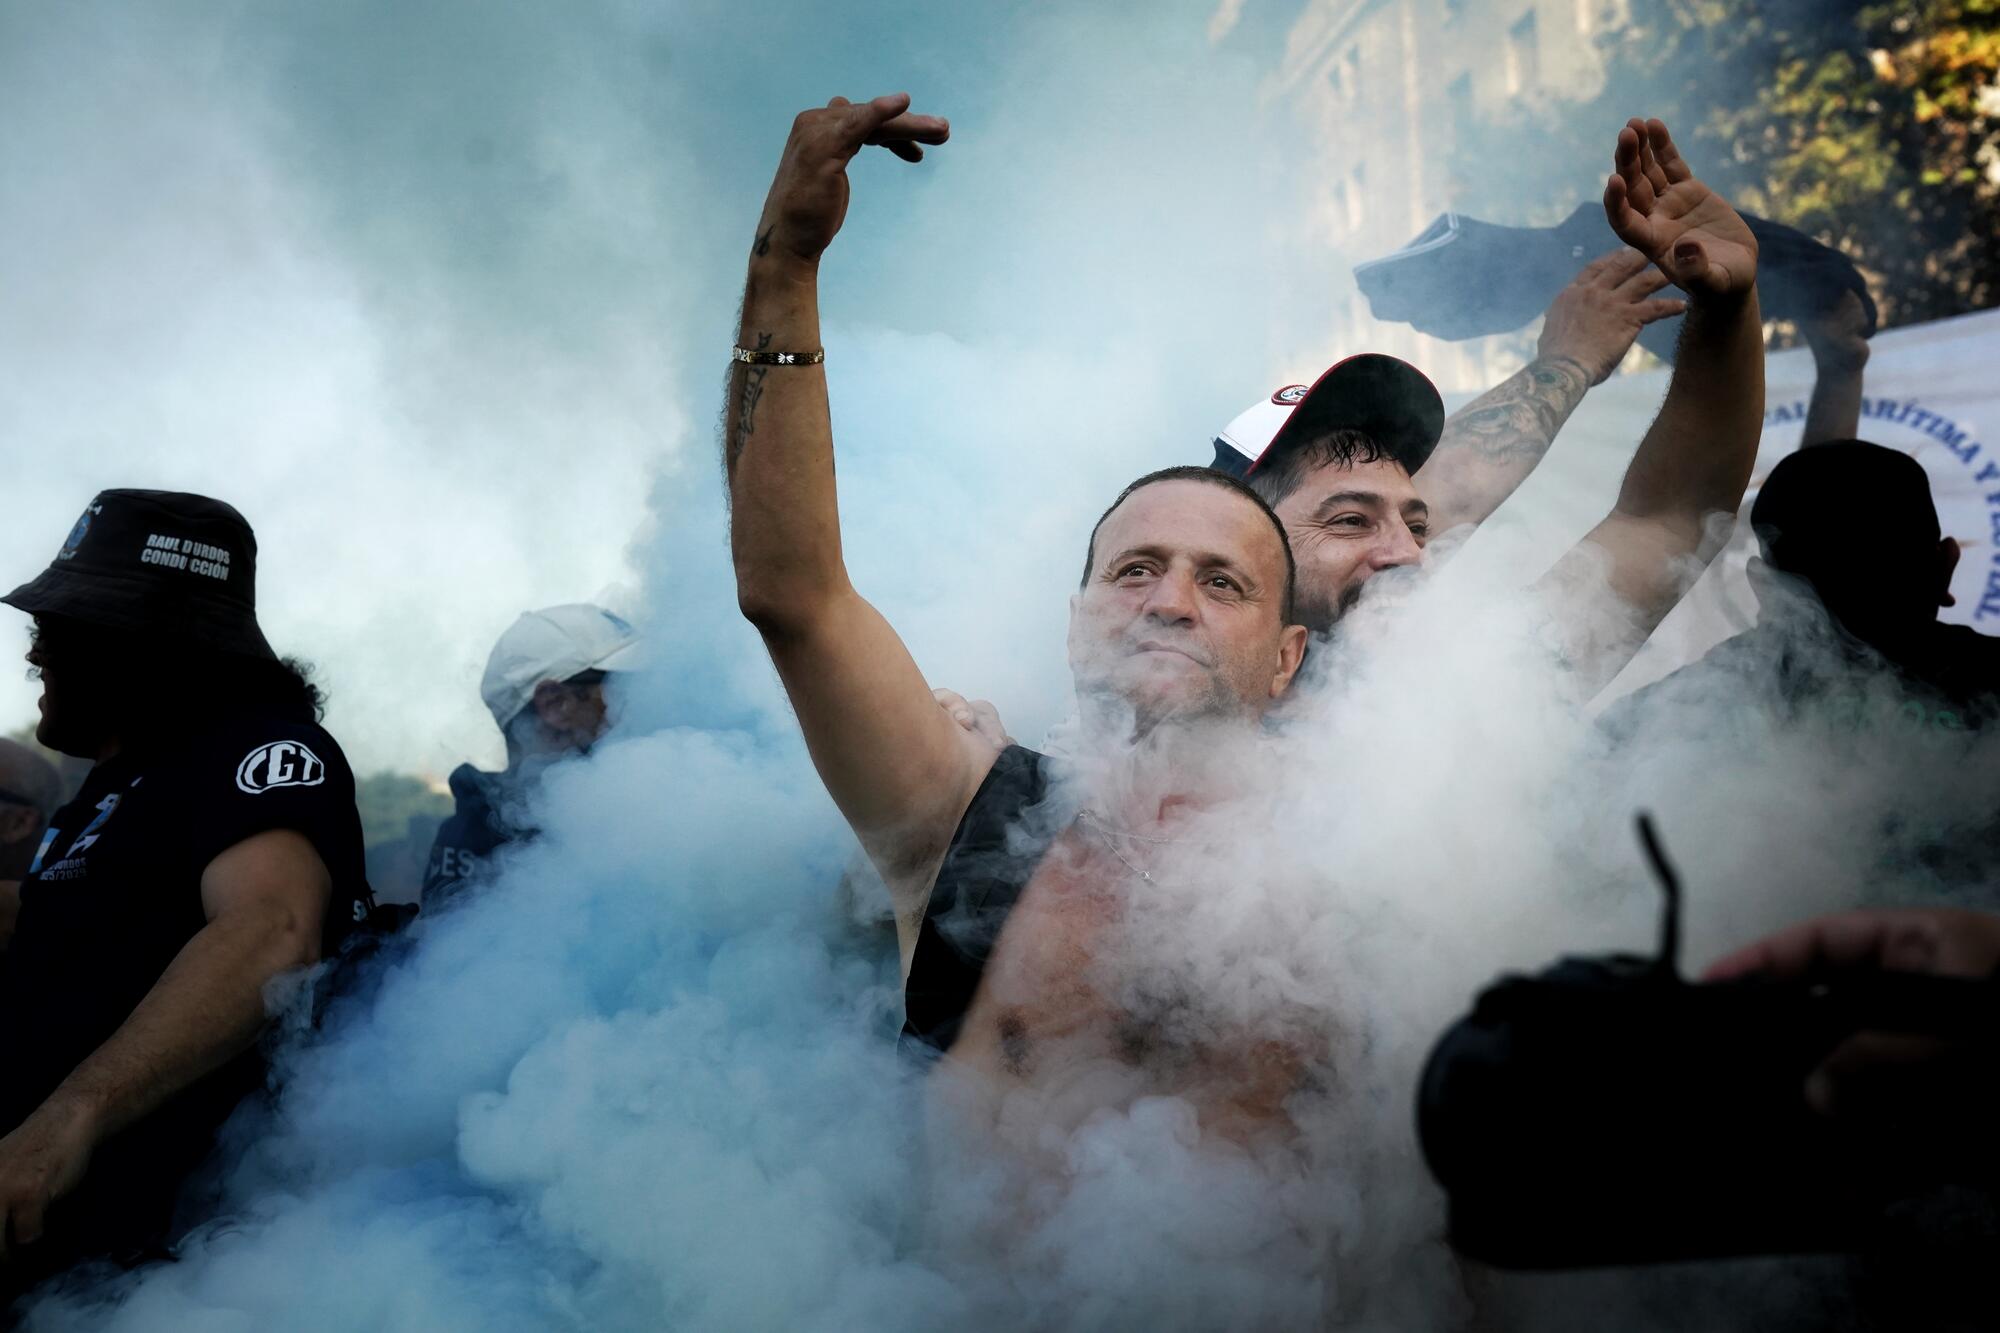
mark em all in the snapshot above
pixel 71 658
pixel 1347 523
pixel 1181 616
pixel 573 713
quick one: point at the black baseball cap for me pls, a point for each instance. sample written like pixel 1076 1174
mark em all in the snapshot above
pixel 1804 514
pixel 156 562
pixel 1388 399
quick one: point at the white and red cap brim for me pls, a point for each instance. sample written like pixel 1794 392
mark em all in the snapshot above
pixel 1387 398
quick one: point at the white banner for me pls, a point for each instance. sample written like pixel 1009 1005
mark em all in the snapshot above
pixel 1933 391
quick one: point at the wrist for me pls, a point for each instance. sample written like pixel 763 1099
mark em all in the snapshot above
pixel 780 267
pixel 1713 303
pixel 1840 358
pixel 1566 363
pixel 74 1113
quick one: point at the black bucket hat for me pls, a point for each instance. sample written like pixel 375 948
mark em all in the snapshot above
pixel 157 563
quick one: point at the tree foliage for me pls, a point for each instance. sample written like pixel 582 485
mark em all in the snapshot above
pixel 1870 126
pixel 388 801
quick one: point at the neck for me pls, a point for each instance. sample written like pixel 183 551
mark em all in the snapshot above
pixel 1172 771
pixel 528 763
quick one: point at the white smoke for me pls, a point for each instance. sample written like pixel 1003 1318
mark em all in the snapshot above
pixel 647 1077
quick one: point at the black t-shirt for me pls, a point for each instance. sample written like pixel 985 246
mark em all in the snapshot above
pixel 113 895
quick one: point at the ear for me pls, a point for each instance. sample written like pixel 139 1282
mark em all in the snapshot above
pixel 1948 553
pixel 1291 656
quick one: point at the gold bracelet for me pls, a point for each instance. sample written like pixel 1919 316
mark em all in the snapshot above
pixel 750 358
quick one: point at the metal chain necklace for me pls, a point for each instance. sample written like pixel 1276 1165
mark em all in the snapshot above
pixel 1110 835
pixel 1110 830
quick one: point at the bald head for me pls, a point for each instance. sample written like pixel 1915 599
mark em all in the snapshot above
pixel 30 790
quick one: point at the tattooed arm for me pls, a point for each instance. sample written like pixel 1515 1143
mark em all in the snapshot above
pixel 900 769
pixel 1492 443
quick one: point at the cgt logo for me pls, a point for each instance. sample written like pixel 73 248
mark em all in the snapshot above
pixel 279 764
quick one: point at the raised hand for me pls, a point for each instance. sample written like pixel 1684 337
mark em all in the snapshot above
pixel 1838 335
pixel 1594 321
pixel 808 199
pixel 1656 205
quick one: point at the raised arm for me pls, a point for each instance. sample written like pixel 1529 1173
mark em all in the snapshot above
pixel 1839 345
pixel 1695 460
pixel 1491 444
pixel 899 768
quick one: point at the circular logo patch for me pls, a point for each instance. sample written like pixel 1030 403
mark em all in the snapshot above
pixel 1291 395
pixel 279 764
pixel 77 533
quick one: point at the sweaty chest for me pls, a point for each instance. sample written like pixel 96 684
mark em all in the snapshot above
pixel 1085 1005
pixel 1044 982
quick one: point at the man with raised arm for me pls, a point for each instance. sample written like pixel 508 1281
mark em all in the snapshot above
pixel 1356 468
pixel 1182 636
pixel 1372 429
pixel 1351 468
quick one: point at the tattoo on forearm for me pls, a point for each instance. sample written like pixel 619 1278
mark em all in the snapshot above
pixel 746 402
pixel 1519 417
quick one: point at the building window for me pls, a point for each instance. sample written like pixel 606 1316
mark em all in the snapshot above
pixel 1345 75
pixel 1458 106
pixel 1523 57
pixel 1458 102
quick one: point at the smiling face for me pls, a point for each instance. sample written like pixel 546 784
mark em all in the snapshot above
pixel 1348 522
pixel 1181 614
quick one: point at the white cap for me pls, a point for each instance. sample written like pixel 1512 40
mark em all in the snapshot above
pixel 554 643
pixel 1253 429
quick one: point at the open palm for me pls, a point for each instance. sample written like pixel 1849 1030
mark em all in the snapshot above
pixel 1656 205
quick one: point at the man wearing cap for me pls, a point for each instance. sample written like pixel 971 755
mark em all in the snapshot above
pixel 1355 467
pixel 1348 463
pixel 30 790
pixel 1879 584
pixel 1010 877
pixel 1375 426
pixel 544 685
pixel 213 847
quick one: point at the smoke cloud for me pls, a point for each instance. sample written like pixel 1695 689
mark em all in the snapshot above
pixel 647 1077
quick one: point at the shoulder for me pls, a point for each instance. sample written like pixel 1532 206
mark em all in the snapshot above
pixel 476 823
pixel 258 755
pixel 1967 644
